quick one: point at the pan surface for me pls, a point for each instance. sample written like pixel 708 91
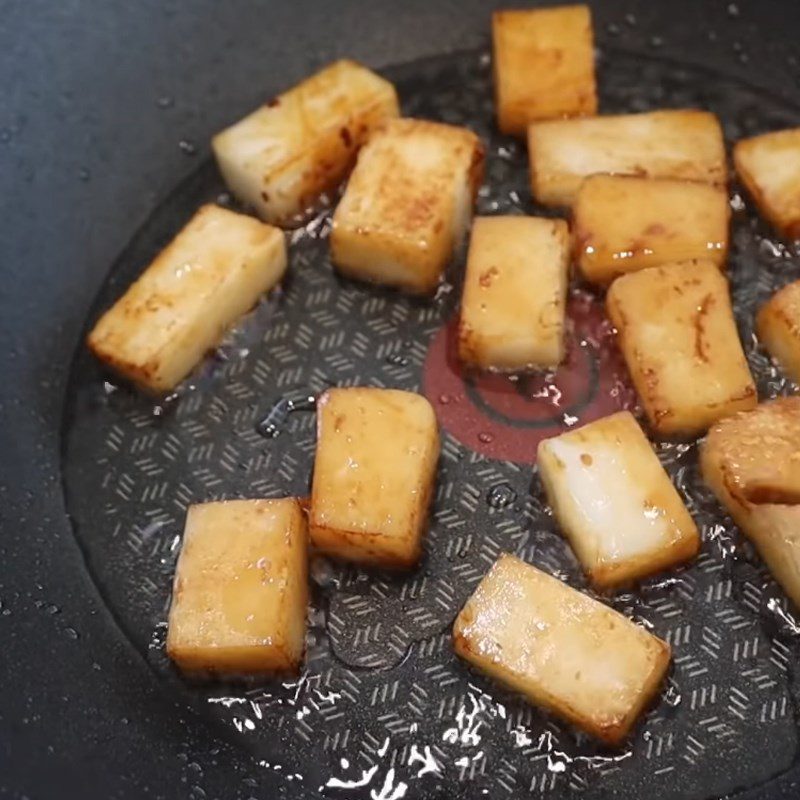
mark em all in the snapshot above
pixel 383 708
pixel 383 703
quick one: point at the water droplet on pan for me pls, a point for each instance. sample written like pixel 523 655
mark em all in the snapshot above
pixel 167 404
pixel 271 426
pixel 395 359
pixel 501 495
pixel 187 148
pixel 672 696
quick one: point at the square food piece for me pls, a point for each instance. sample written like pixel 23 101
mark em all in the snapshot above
pixel 211 273
pixel 543 65
pixel 240 593
pixel 407 204
pixel 758 453
pixel 280 158
pixel 374 473
pixel 677 333
pixel 778 327
pixel 617 506
pixel 623 224
pixel 680 144
pixel 513 306
pixel 751 461
pixel 769 166
pixel 563 650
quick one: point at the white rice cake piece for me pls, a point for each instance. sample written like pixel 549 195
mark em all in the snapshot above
pixel 211 273
pixel 778 328
pixel 240 594
pixel 617 506
pixel 769 167
pixel 543 65
pixel 676 330
pixel 280 158
pixel 751 461
pixel 682 144
pixel 514 301
pixel 374 474
pixel 622 224
pixel 563 650
pixel 407 204
pixel 759 452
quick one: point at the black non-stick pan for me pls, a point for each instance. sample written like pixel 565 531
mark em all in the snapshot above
pixel 105 115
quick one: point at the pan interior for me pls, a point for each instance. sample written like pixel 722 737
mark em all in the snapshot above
pixel 383 706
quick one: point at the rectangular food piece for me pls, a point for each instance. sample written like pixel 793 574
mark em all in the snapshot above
pixel 617 506
pixel 513 306
pixel 240 593
pixel 374 473
pixel 680 144
pixel 676 330
pixel 778 328
pixel 280 158
pixel 769 167
pixel 564 651
pixel 407 204
pixel 623 224
pixel 211 273
pixel 751 461
pixel 543 65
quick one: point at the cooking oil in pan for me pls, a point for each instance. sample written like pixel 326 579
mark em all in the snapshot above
pixel 383 708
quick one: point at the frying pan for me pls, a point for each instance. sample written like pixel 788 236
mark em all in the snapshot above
pixel 105 115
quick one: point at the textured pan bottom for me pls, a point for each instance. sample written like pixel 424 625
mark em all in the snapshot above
pixel 383 707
